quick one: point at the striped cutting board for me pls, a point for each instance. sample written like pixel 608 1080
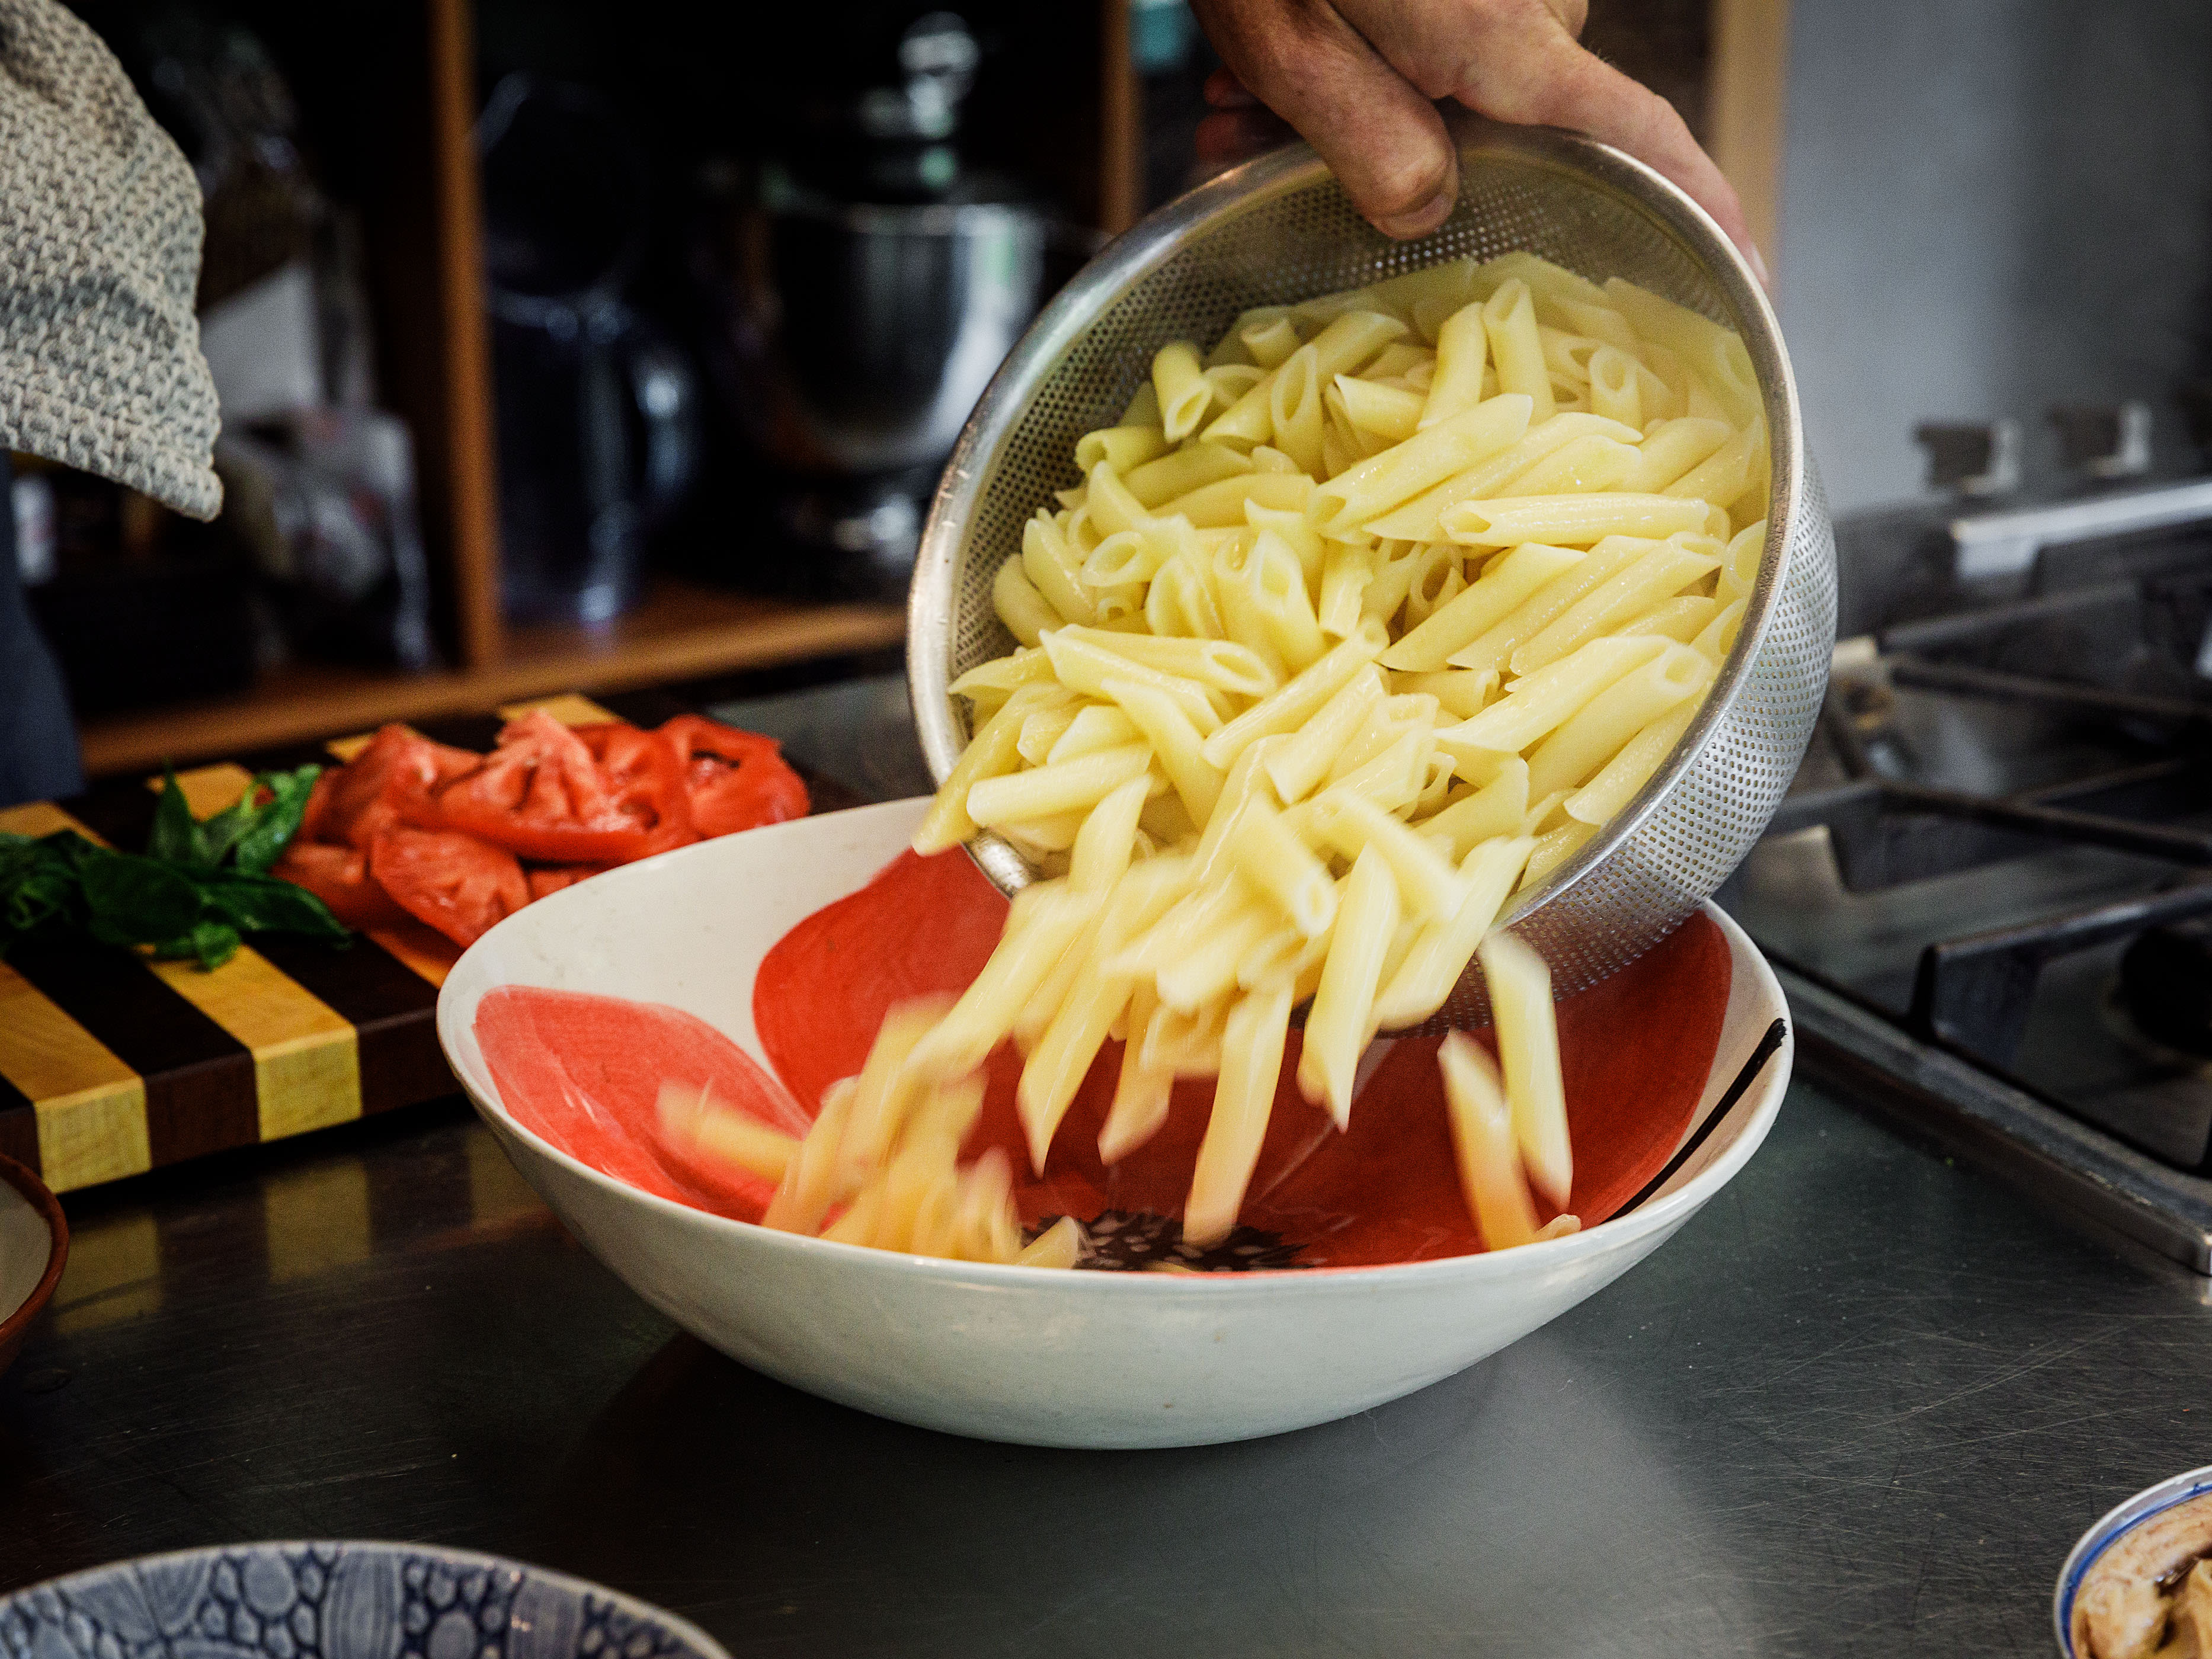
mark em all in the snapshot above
pixel 111 1064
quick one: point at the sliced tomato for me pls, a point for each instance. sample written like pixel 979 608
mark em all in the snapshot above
pixel 647 776
pixel 543 795
pixel 545 878
pixel 736 780
pixel 382 785
pixel 339 876
pixel 455 883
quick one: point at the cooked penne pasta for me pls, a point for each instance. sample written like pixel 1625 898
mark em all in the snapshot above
pixel 1338 643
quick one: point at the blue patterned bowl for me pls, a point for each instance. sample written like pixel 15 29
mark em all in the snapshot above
pixel 334 1601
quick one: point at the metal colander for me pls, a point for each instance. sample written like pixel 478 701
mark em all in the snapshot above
pixel 1280 229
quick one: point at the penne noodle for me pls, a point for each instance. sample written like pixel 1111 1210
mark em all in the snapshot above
pixel 1086 667
pixel 1500 590
pixel 1056 786
pixel 1349 340
pixel 1427 885
pixel 1337 1024
pixel 1509 318
pixel 1580 468
pixel 1281 869
pixel 1554 848
pixel 1396 361
pixel 1717 355
pixel 1623 776
pixel 1614 391
pixel 1019 605
pixel 1419 518
pixel 1723 475
pixel 1443 947
pixel 1719 637
pixel 1175 744
pixel 1395 566
pixel 1483 1142
pixel 1297 766
pixel 1459 692
pixel 1051 564
pixel 1120 446
pixel 1520 986
pixel 1180 385
pixel 1296 702
pixel 1574 753
pixel 1252 1043
pixel 990 752
pixel 1552 283
pixel 1493 650
pixel 1671 449
pixel 1220 505
pixel 1438 578
pixel 1495 809
pixel 1367 491
pixel 1660 574
pixel 1269 342
pixel 1534 706
pixel 1462 353
pixel 1107 840
pixel 1141 1094
pixel 1682 618
pixel 1569 520
pixel 1092 727
pixel 1179 602
pixel 1386 411
pixel 1059 1245
pixel 1143 410
pixel 1740 566
pixel 1346 570
pixel 1179 471
pixel 1221 664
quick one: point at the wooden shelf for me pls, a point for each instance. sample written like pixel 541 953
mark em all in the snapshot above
pixel 682 631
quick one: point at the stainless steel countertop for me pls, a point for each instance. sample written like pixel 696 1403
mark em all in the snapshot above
pixel 1864 1404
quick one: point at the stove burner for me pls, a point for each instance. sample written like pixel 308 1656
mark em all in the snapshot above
pixel 2166 980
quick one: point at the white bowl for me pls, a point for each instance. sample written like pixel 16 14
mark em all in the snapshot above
pixel 1011 1353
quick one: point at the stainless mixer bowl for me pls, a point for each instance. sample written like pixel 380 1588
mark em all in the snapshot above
pixel 1280 229
pixel 861 336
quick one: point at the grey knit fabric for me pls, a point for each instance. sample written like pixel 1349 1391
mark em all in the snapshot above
pixel 100 253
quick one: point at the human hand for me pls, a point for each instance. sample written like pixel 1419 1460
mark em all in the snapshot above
pixel 1359 81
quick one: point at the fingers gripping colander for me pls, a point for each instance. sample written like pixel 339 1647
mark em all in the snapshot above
pixel 1280 229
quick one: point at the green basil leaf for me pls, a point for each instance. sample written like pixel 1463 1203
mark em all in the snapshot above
pixel 131 900
pixel 273 825
pixel 213 942
pixel 263 904
pixel 219 833
pixel 176 833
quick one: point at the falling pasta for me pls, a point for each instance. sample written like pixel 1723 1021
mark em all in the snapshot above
pixel 1352 627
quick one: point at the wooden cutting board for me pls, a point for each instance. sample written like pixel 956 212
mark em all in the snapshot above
pixel 111 1064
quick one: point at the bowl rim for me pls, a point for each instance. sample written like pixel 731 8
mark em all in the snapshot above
pixel 2107 1530
pixel 635 1606
pixel 1769 1070
pixel 41 1198
pixel 1155 238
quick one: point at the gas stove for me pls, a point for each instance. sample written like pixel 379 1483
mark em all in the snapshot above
pixel 1989 888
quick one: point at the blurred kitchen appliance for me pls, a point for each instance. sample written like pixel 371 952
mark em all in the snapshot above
pixel 597 411
pixel 1989 886
pixel 863 291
